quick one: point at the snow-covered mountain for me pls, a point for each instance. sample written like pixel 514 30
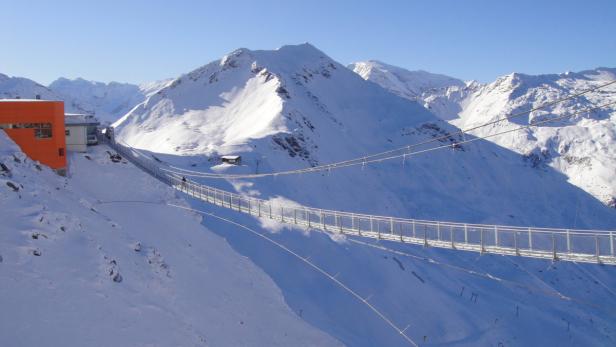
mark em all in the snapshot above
pixel 84 263
pixel 583 147
pixel 402 82
pixel 107 101
pixel 295 107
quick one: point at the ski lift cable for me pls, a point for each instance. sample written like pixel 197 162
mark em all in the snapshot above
pixel 407 147
pixel 364 162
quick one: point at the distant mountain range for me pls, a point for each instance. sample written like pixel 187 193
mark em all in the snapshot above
pixel 582 147
pixel 108 101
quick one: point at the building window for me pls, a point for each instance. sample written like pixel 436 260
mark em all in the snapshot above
pixel 41 130
pixel 61 152
pixel 67 132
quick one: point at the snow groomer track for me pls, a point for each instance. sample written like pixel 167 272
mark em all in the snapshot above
pixel 588 246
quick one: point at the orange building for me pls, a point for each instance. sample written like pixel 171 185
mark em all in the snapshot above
pixel 37 127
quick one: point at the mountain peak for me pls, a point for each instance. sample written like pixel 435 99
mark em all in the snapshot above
pixel 405 83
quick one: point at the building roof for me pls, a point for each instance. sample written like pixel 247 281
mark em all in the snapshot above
pixel 28 100
pixel 80 119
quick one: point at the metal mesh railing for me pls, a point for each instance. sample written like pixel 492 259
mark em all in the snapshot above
pixel 594 246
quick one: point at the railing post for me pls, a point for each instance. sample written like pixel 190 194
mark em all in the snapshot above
pixel 515 242
pixel 496 236
pixel 391 225
pixel 307 217
pixel 339 219
pixel 597 247
pixel 352 222
pixel 259 208
pixel 481 239
pixel 554 257
pixel 414 234
pixel 425 235
pixel 438 231
pixel 451 235
pixel 530 240
pixel 295 216
pixel 282 213
pixel 371 225
pixel 611 243
pixel 249 207
pixel 465 233
pixel 270 210
pixel 322 220
pixel 568 242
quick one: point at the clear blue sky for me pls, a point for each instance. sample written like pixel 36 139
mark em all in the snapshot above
pixel 138 41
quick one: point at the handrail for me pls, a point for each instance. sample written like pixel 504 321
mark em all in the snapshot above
pixel 591 246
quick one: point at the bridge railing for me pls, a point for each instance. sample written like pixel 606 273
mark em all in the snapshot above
pixel 549 243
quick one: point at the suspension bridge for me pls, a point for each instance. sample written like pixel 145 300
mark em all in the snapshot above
pixel 588 246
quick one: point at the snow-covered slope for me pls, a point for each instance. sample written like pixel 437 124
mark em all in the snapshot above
pixel 95 260
pixel 295 107
pixel 583 147
pixel 402 82
pixel 107 101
